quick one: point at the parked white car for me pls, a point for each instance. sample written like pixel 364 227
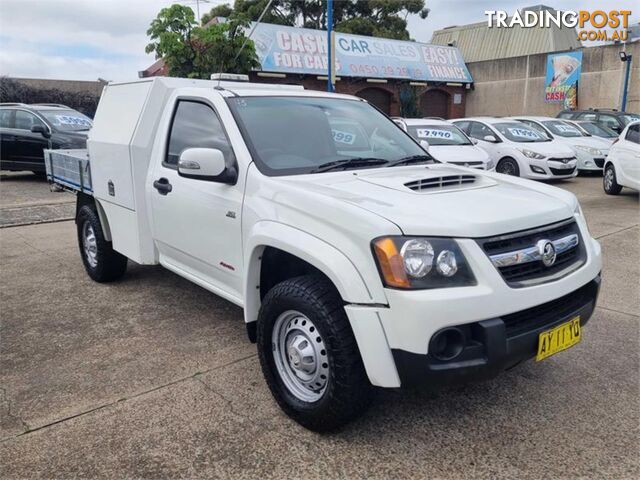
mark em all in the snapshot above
pixel 520 150
pixel 446 142
pixel 358 262
pixel 590 151
pixel 595 129
pixel 623 163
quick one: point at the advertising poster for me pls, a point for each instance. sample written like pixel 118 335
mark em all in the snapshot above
pixel 561 81
pixel 301 50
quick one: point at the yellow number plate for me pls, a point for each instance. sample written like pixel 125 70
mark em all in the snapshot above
pixel 558 339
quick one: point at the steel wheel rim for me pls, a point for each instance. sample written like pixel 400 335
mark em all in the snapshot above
pixel 608 178
pixel 90 244
pixel 507 168
pixel 300 355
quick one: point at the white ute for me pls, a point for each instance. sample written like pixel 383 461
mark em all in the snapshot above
pixel 358 259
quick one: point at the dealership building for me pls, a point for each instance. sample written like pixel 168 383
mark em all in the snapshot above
pixel 383 71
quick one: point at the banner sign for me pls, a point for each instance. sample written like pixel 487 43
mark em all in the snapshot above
pixel 561 82
pixel 301 50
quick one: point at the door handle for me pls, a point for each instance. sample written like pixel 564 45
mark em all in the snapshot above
pixel 163 186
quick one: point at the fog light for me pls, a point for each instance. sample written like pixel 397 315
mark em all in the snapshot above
pixel 446 263
pixel 446 344
pixel 537 169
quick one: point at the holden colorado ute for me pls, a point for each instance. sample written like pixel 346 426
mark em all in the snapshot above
pixel 359 260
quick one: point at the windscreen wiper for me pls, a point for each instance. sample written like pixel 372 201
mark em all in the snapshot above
pixel 410 159
pixel 348 163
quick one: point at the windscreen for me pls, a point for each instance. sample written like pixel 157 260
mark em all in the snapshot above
pixel 519 132
pixel 296 135
pixel 630 117
pixel 67 120
pixel 599 130
pixel 563 129
pixel 439 134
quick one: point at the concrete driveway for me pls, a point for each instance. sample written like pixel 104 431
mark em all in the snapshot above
pixel 153 377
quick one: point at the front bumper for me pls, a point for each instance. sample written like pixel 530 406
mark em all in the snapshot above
pixel 410 319
pixel 494 345
pixel 548 168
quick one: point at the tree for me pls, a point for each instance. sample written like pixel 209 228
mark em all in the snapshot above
pixel 378 18
pixel 193 51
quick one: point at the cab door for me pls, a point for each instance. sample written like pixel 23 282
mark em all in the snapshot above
pixel 28 147
pixel 196 223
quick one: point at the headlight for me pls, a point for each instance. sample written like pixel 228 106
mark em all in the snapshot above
pixel 578 210
pixel 490 165
pixel 531 154
pixel 589 150
pixel 421 263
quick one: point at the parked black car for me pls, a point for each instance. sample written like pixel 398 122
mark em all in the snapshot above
pixel 613 119
pixel 26 130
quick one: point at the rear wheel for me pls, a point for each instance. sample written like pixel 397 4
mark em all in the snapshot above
pixel 508 166
pixel 309 355
pixel 101 261
pixel 609 181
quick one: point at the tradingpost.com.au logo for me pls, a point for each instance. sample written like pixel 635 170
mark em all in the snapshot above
pixel 591 25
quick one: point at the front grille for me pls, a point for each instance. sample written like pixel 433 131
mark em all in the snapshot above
pixel 561 159
pixel 440 182
pixel 467 164
pixel 562 171
pixel 599 162
pixel 550 312
pixel 531 273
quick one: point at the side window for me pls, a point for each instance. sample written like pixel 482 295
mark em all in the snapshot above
pixel 609 121
pixel 480 130
pixel 464 126
pixel 633 134
pixel 5 118
pixel 196 125
pixel 25 120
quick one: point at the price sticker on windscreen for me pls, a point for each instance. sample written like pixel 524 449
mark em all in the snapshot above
pixel 567 129
pixel 433 133
pixel 71 120
pixel 343 137
pixel 523 133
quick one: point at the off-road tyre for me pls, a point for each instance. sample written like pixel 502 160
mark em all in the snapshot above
pixel 348 392
pixel 104 264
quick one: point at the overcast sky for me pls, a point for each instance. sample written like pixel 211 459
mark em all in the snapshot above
pixel 87 39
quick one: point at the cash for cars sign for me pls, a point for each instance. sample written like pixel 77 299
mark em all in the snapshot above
pixel 561 82
pixel 304 51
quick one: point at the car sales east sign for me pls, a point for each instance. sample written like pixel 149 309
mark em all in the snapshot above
pixel 301 50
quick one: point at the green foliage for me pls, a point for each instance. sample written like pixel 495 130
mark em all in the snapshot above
pixel 12 90
pixel 378 18
pixel 193 51
pixel 223 10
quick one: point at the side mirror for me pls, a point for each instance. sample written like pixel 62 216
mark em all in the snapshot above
pixel 206 164
pixel 490 138
pixel 425 145
pixel 474 141
pixel 41 129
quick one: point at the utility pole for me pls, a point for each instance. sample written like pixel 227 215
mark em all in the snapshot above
pixel 626 59
pixel 330 51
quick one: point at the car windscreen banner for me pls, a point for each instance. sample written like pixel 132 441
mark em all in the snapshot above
pixel 561 81
pixel 283 49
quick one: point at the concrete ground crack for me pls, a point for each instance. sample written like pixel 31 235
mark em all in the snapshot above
pixel 5 399
pixel 193 376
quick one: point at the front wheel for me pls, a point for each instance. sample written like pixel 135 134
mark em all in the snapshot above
pixel 609 181
pixel 508 166
pixel 309 355
pixel 101 261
